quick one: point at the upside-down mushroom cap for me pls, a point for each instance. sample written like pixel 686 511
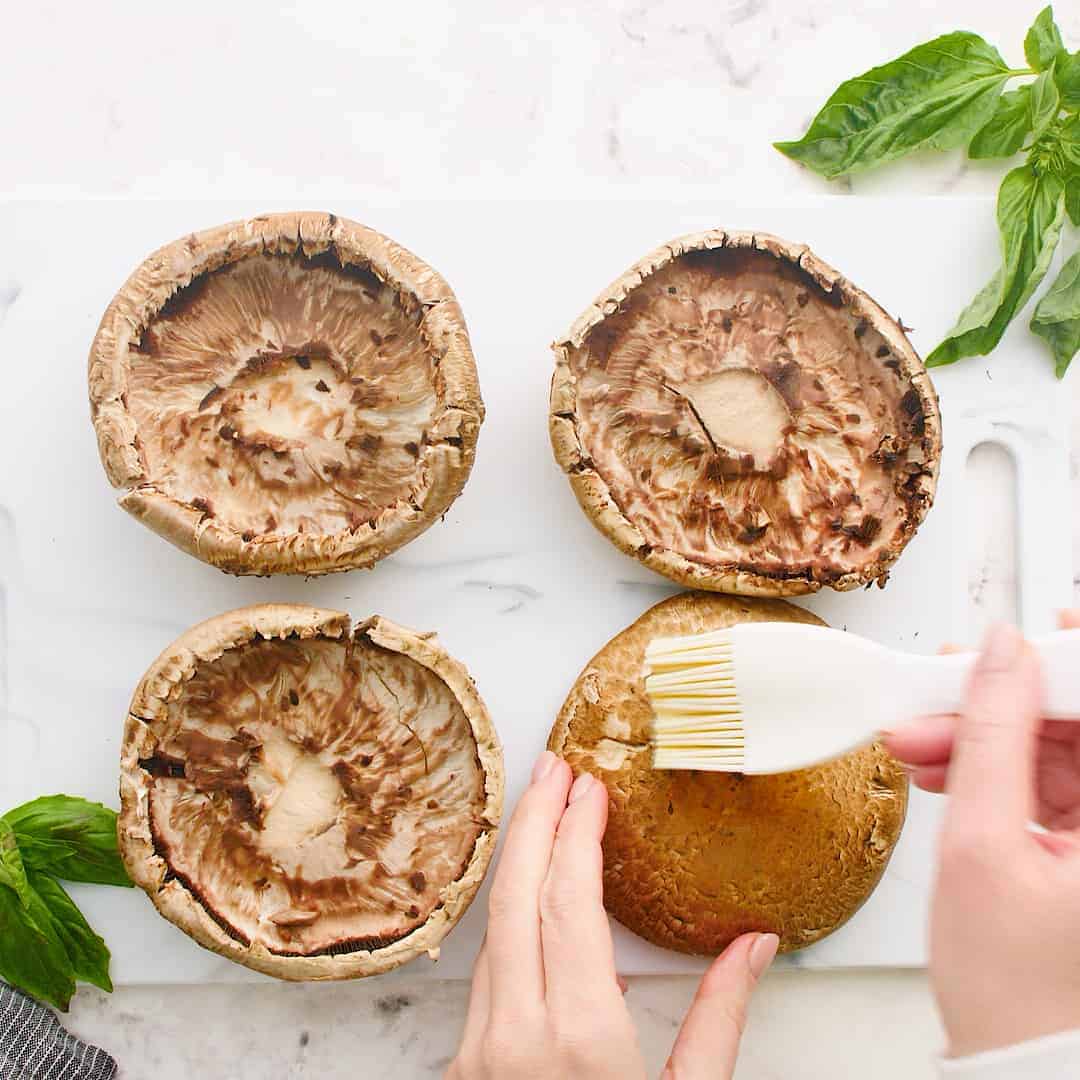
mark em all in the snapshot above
pixel 310 800
pixel 740 417
pixel 693 859
pixel 293 393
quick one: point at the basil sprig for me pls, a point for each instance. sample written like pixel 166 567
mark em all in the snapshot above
pixel 951 92
pixel 46 945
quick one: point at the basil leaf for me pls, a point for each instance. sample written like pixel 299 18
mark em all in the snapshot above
pixel 33 960
pixel 12 871
pixel 87 952
pixel 1067 76
pixel 938 95
pixel 1045 102
pixel 46 855
pixel 1068 144
pixel 45 942
pixel 1057 316
pixel 1069 139
pixel 86 829
pixel 1004 134
pixel 1043 43
pixel 1030 211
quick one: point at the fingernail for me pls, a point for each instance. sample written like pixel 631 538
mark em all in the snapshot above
pixel 1001 649
pixel 1055 843
pixel 762 953
pixel 581 786
pixel 544 764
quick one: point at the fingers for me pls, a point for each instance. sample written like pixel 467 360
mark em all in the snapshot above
pixel 1064 821
pixel 708 1042
pixel 1069 619
pixel 476 1021
pixel 925 741
pixel 579 961
pixel 1057 843
pixel 513 942
pixel 991 777
pixel 932 778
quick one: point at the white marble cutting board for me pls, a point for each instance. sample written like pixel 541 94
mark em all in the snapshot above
pixel 515 580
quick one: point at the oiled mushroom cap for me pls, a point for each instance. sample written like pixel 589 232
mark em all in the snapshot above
pixel 308 801
pixel 294 393
pixel 693 859
pixel 740 417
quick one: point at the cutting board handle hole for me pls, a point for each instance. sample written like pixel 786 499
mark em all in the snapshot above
pixel 993 580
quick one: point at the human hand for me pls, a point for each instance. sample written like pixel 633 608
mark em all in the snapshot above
pixel 926 746
pixel 546 1000
pixel 1004 955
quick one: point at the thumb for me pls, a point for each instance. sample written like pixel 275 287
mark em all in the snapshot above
pixel 708 1042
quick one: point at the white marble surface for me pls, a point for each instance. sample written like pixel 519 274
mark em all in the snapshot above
pixel 477 97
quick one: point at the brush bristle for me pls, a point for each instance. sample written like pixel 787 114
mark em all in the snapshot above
pixel 697 719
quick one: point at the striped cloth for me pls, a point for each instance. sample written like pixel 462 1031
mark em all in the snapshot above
pixel 33 1045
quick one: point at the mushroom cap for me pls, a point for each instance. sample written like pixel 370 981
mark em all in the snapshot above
pixel 293 393
pixel 693 859
pixel 739 417
pixel 309 800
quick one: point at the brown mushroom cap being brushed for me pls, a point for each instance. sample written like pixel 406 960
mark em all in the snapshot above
pixel 693 859
pixel 739 417
pixel 309 800
pixel 294 393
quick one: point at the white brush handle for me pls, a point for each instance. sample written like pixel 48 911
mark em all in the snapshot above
pixel 938 684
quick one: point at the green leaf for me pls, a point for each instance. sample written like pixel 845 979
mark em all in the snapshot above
pixel 70 838
pixel 1057 315
pixel 34 960
pixel 938 95
pixel 1004 134
pixel 1045 103
pixel 1043 43
pixel 12 871
pixel 1069 140
pixel 45 855
pixel 45 942
pixel 1069 158
pixel 87 952
pixel 1067 76
pixel 1030 211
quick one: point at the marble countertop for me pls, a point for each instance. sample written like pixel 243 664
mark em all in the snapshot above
pixel 491 99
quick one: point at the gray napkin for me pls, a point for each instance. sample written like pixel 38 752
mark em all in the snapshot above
pixel 33 1045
